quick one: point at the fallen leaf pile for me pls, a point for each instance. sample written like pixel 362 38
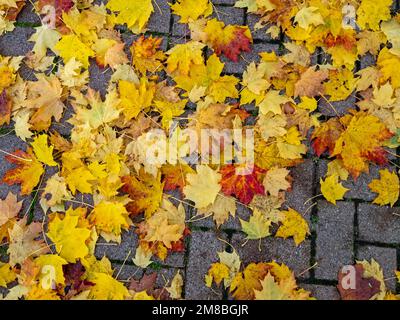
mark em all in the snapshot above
pixel 113 173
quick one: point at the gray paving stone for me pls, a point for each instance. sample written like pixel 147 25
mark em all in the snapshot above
pixel 15 43
pixel 367 61
pixel 125 272
pixel 334 243
pixel 336 108
pixel 28 15
pixel 278 249
pixel 378 224
pixel 160 19
pixel 229 15
pixel 115 251
pixel 321 292
pixel 226 2
pixel 99 77
pixel 358 189
pixel 259 34
pixel 302 189
pixel 386 257
pixel 202 253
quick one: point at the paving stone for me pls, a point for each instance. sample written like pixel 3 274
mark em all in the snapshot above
pixel 115 251
pixel 202 253
pixel 334 243
pixel 386 257
pixel 335 108
pixel 180 29
pixel 99 78
pixel 357 189
pixel 28 15
pixel 126 272
pixel 259 34
pixel 278 249
pixel 321 292
pixel 302 188
pixel 161 17
pixel 378 224
pixel 9 143
pixel 367 61
pixel 226 2
pixel 229 15
pixel 15 43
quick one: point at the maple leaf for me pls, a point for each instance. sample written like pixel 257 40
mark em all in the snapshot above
pixel 308 16
pixel 146 54
pixel 69 239
pixel 293 225
pixel 245 283
pixel 257 227
pixel 5 108
pixel 370 13
pixel 203 186
pixel 60 6
pixel 183 56
pixel 44 38
pixel 310 83
pixel 221 209
pixel 362 140
pixel 331 189
pixel 56 263
pixel 365 286
pixel 276 180
pixel 145 193
pixel 174 176
pixel 387 188
pixel 243 186
pixel 70 46
pixel 27 173
pixel 189 10
pixel 9 208
pixel 135 98
pixel 110 217
pixel 229 40
pixel 43 152
pixel 325 137
pixel 107 288
pixel 134 14
pixel 217 273
pixel 23 243
pixel 45 95
pixel 386 62
pixel 271 290
pixel 7 274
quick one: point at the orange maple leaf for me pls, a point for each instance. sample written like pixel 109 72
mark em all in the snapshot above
pixel 244 187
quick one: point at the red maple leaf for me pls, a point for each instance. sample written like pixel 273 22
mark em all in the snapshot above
pixel 244 186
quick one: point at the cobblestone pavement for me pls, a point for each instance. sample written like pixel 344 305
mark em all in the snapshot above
pixel 354 229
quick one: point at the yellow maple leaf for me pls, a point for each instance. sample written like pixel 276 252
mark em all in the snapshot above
pixel 189 10
pixel 370 13
pixel 134 14
pixel 271 290
pixel 70 46
pixel 135 97
pixel 308 16
pixel 110 217
pixel 107 288
pixel 183 56
pixel 387 63
pixel 331 189
pixel 69 239
pixel 43 151
pixel 56 263
pixel 7 274
pixel 275 181
pixel 79 180
pixel 272 102
pixel 203 186
pixel 387 188
pixel 217 273
pixel 293 225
